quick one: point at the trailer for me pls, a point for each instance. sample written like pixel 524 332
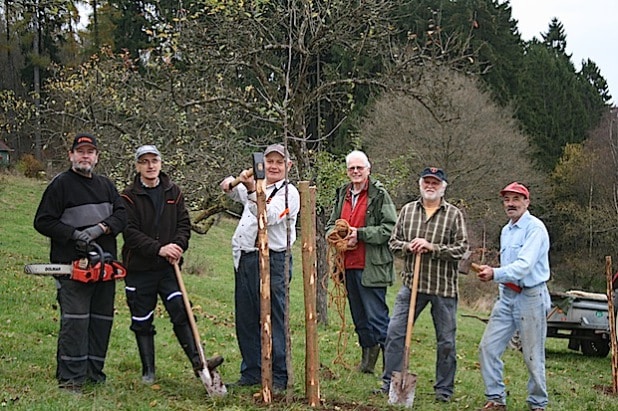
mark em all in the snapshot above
pixel 582 318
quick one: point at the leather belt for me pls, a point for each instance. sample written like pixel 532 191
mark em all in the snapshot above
pixel 513 287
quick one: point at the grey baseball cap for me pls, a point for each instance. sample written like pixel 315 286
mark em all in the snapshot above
pixel 147 149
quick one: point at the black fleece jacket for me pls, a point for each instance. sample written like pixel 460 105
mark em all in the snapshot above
pixel 72 201
pixel 147 232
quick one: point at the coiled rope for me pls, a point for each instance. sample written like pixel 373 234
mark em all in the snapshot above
pixel 337 246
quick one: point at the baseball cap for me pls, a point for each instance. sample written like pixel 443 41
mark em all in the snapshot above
pixel 517 188
pixel 434 172
pixel 82 139
pixel 276 148
pixel 147 149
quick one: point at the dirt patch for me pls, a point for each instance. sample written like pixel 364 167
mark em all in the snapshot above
pixel 324 405
pixel 605 389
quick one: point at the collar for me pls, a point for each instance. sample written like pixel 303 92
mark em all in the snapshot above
pixel 157 182
pixel 277 184
pixel 442 204
pixel 523 220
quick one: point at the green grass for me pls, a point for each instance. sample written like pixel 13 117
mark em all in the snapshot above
pixel 29 326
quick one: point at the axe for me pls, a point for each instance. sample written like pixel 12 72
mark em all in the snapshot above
pixel 257 170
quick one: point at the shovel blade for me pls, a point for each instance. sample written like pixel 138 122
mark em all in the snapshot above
pixel 402 389
pixel 212 382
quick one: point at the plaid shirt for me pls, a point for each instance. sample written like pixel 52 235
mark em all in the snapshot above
pixel 446 230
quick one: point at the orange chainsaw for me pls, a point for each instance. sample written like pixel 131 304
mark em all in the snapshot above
pixel 97 266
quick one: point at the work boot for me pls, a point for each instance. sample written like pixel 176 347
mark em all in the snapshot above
pixel 187 342
pixel 213 362
pixel 363 364
pixel 493 406
pixel 145 345
pixel 372 357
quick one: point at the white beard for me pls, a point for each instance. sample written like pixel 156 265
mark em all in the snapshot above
pixel 432 196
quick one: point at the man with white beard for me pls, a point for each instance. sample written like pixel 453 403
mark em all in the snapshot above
pixel 435 231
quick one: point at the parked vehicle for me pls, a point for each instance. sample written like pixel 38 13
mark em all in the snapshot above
pixel 583 319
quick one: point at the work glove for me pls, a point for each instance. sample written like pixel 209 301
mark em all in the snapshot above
pixel 79 235
pixel 94 232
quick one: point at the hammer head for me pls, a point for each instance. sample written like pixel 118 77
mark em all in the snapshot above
pixel 259 172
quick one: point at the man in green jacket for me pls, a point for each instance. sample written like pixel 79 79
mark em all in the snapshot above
pixel 371 215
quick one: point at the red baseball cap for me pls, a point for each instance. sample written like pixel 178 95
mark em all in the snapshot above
pixel 517 188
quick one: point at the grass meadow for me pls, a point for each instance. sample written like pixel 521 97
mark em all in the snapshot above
pixel 29 320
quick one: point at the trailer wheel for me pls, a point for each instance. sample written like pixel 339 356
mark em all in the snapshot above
pixel 598 347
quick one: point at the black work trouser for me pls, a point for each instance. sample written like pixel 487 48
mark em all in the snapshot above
pixel 142 289
pixel 86 317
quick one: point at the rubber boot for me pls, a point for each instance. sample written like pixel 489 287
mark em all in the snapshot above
pixel 187 342
pixel 372 357
pixel 363 364
pixel 145 345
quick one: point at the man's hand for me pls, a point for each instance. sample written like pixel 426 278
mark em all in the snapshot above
pixel 353 237
pixel 419 246
pixel 94 232
pixel 79 235
pixel 486 273
pixel 225 184
pixel 171 252
pixel 247 180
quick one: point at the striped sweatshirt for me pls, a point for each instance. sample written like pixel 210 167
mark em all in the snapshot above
pixel 446 230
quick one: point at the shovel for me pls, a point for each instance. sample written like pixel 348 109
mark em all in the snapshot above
pixel 211 379
pixel 403 384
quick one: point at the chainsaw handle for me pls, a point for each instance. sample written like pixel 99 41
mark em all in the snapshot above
pixel 99 251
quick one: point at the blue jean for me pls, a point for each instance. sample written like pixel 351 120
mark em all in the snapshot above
pixel 368 308
pixel 444 315
pixel 247 305
pixel 526 312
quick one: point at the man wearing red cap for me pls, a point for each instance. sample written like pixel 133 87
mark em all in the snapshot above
pixel 523 301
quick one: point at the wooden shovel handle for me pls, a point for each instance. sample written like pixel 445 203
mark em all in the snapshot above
pixel 187 303
pixel 411 313
pixel 236 181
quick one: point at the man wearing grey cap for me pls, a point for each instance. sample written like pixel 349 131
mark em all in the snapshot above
pixel 156 236
pixel 282 206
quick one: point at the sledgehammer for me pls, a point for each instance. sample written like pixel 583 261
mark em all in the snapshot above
pixel 257 170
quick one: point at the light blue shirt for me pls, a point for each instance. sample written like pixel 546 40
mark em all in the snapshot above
pixel 524 253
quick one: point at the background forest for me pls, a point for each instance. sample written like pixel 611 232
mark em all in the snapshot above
pixel 413 83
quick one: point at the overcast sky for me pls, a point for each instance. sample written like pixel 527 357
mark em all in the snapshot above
pixel 591 28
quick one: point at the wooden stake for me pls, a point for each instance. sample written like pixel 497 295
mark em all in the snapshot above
pixel 612 323
pixel 308 236
pixel 265 311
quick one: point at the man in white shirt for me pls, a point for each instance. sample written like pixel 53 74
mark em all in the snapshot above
pixel 246 264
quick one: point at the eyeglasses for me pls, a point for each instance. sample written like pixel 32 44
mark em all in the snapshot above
pixel 354 168
pixel 154 161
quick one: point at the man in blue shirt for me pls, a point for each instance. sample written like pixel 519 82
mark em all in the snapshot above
pixel 522 304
